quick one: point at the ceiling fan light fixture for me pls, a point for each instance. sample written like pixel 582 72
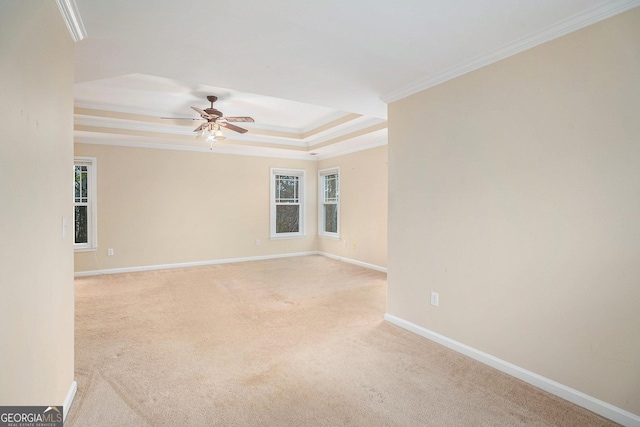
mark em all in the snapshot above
pixel 218 135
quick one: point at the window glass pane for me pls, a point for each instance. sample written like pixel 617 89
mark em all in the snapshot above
pixel 78 182
pixel 331 188
pixel 331 218
pixel 81 185
pixel 286 189
pixel 81 224
pixel 287 218
pixel 84 192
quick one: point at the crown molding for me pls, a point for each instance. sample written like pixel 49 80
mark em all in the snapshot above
pixel 87 115
pixel 295 133
pixel 337 116
pixel 228 148
pixel 71 16
pixel 220 148
pixel 344 152
pixel 561 28
pixel 348 131
pixel 131 128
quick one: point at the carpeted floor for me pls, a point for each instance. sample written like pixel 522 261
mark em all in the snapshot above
pixel 286 342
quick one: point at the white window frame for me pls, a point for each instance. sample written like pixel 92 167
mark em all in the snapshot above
pixel 301 174
pixel 92 203
pixel 322 202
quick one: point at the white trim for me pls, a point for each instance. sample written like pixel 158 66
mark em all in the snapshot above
pixel 250 151
pixel 72 18
pixel 119 124
pixel 344 152
pixel 84 249
pixel 328 237
pixel 71 394
pixel 321 202
pixel 559 29
pixel 302 201
pixel 353 261
pixel 259 126
pixel 361 124
pixel 190 264
pixel 224 261
pixel 299 132
pixel 574 396
pixel 176 130
pixel 92 185
pixel 323 121
pixel 278 153
pixel 168 114
pixel 288 236
pixel 293 138
pixel 296 133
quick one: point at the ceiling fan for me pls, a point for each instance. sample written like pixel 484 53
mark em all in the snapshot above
pixel 215 120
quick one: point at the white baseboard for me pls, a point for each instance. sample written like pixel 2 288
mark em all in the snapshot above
pixel 189 264
pixel 71 394
pixel 574 396
pixel 353 261
pixel 223 261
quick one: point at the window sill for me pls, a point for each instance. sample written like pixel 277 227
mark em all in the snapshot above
pixel 85 249
pixel 298 236
pixel 329 236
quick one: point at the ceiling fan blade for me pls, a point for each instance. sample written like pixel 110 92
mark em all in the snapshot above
pixel 233 127
pixel 202 113
pixel 239 119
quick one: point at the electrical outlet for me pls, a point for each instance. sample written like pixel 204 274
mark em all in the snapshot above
pixel 257 242
pixel 435 298
pixel 110 251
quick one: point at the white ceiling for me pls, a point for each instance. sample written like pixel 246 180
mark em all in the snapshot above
pixel 294 65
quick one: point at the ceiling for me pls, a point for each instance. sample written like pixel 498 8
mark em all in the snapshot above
pixel 315 76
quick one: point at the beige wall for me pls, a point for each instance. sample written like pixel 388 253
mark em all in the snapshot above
pixel 363 207
pixel 515 194
pixel 159 207
pixel 36 158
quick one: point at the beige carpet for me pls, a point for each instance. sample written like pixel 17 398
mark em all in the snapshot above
pixel 287 342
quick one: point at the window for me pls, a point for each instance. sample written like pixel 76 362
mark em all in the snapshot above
pixel 287 203
pixel 329 202
pixel 85 214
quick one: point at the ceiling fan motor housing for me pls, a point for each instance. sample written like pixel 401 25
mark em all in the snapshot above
pixel 213 112
pixel 215 120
